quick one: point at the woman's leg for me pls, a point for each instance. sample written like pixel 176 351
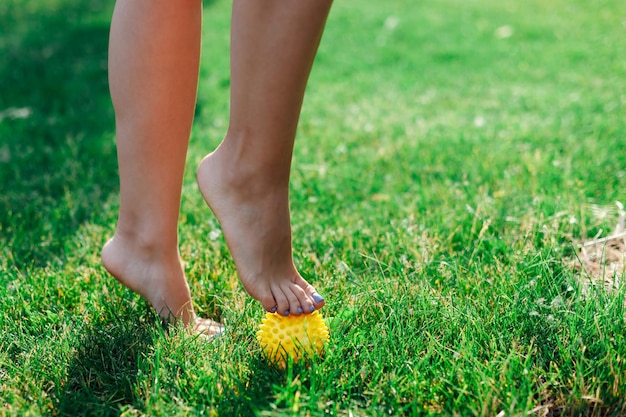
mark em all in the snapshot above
pixel 246 180
pixel 153 70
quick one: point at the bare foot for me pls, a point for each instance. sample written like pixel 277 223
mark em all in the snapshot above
pixel 256 224
pixel 157 277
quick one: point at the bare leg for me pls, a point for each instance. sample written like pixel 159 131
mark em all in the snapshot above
pixel 153 69
pixel 246 180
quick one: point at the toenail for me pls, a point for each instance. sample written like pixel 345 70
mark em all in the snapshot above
pixel 286 312
pixel 300 310
pixel 312 309
pixel 317 298
pixel 273 310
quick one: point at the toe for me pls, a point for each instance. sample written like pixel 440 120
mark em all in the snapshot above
pixel 282 302
pixel 318 300
pixel 295 306
pixel 304 302
pixel 268 301
pixel 294 302
pixel 314 299
pixel 207 327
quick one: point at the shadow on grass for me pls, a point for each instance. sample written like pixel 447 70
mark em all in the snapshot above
pixel 253 394
pixel 119 366
pixel 102 378
pixel 57 156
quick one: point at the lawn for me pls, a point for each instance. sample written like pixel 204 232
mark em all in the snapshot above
pixel 451 158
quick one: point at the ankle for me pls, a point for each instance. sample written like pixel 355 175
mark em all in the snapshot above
pixel 255 176
pixel 146 244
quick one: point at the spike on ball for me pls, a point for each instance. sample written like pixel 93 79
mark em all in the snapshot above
pixel 292 336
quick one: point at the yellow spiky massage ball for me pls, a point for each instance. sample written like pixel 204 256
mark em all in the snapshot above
pixel 295 336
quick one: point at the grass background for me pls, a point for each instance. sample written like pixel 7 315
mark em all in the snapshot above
pixel 449 156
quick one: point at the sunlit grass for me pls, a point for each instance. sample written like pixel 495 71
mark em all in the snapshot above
pixel 448 156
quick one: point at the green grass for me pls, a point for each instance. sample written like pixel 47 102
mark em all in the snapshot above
pixel 448 155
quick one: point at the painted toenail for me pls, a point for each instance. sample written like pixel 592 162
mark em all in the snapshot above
pixel 317 298
pixel 312 309
pixel 300 310
pixel 273 310
pixel 286 312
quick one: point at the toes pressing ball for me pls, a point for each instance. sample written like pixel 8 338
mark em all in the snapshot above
pixel 294 336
